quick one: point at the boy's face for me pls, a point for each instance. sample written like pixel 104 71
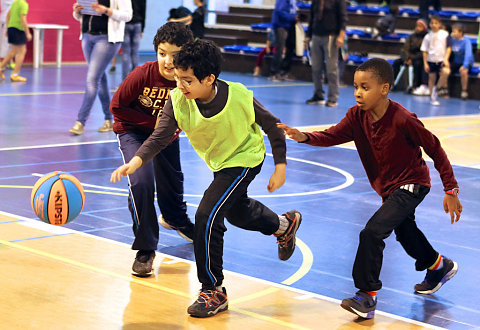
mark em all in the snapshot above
pixel 368 91
pixel 191 87
pixel 457 34
pixel 165 53
pixel 435 25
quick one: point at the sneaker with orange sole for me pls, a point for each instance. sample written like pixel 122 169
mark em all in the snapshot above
pixel 17 78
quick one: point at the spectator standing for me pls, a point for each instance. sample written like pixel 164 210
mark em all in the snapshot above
pixel 283 24
pixel 101 37
pixel 424 7
pixel 436 48
pixel 4 8
pixel 198 20
pixel 133 33
pixel 462 59
pixel 18 35
pixel 326 31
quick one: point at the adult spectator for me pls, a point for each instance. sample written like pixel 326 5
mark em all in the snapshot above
pixel 102 36
pixel 133 33
pixel 326 34
pixel 283 24
pixel 424 7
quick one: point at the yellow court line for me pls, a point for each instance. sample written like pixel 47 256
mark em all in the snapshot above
pixel 306 263
pixel 141 282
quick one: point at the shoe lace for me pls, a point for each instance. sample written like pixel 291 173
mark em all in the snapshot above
pixel 209 297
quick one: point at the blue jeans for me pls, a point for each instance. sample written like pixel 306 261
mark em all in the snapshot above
pixel 131 43
pixel 99 53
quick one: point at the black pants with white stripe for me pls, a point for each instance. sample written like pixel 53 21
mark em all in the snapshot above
pixel 397 213
pixel 226 197
pixel 163 175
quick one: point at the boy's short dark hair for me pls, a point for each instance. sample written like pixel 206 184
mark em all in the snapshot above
pixel 460 27
pixel 203 56
pixel 380 68
pixel 436 18
pixel 174 33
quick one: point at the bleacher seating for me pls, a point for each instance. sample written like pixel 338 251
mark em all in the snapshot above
pixel 243 31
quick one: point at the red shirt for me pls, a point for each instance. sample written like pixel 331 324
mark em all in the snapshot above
pixel 389 148
pixel 140 99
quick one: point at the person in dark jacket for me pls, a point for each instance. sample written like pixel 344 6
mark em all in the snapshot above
pixel 283 24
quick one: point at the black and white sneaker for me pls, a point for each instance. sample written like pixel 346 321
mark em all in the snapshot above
pixel 186 230
pixel 362 304
pixel 436 278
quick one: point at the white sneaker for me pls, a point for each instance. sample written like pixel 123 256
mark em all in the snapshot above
pixel 434 98
pixel 435 103
pixel 421 90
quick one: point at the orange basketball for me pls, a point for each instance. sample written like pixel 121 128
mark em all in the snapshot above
pixel 57 198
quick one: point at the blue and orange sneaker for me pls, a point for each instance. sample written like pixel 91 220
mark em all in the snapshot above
pixel 286 241
pixel 209 303
pixel 362 304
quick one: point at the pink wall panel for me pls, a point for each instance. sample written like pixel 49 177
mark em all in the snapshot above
pixel 56 12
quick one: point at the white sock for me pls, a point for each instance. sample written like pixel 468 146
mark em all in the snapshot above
pixel 283 225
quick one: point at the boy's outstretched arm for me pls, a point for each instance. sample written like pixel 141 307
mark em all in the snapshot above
pixel 451 203
pixel 293 133
pixel 126 169
pixel 278 177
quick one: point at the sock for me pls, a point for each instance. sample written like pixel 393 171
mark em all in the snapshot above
pixel 373 294
pixel 283 225
pixel 438 264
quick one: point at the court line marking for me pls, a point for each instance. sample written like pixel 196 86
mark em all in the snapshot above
pixel 307 255
pixel 113 90
pixel 57 229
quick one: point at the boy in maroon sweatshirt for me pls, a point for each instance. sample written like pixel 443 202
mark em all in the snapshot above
pixel 136 107
pixel 388 139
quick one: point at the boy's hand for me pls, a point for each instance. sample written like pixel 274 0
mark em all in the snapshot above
pixel 28 35
pixel 293 133
pixel 426 67
pixel 278 177
pixel 126 169
pixel 452 204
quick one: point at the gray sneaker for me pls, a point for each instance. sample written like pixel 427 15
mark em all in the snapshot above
pixel 186 231
pixel 362 304
pixel 142 266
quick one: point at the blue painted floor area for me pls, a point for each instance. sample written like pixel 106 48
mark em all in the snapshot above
pixel 332 217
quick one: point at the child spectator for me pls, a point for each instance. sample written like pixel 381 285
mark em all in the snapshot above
pixel 412 55
pixel 386 24
pixel 18 35
pixel 269 49
pixel 388 139
pixel 222 121
pixel 436 48
pixel 462 59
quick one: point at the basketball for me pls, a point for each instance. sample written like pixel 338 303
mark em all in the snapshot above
pixel 57 198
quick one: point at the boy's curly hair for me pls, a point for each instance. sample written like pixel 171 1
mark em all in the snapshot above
pixel 174 33
pixel 203 56
pixel 380 68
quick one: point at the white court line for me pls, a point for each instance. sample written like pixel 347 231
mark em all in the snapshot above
pixel 56 145
pixel 63 230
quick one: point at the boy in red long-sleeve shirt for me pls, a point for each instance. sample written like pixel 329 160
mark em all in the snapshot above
pixel 388 139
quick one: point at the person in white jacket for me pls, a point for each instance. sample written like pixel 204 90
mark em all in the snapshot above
pixel 102 31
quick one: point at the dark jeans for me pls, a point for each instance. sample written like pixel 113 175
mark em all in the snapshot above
pixel 424 6
pixel 397 213
pixel 284 39
pixel 163 173
pixel 226 197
